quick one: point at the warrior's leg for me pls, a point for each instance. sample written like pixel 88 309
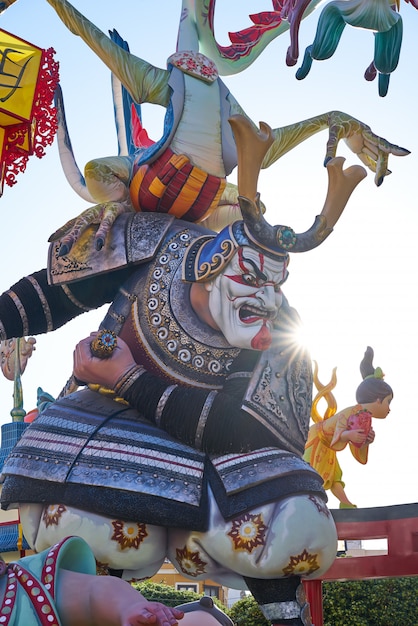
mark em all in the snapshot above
pixel 268 548
pixel 282 601
pixel 135 549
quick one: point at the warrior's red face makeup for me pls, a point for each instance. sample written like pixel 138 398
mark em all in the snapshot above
pixel 245 298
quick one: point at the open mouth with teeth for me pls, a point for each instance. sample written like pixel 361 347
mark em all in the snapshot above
pixel 249 314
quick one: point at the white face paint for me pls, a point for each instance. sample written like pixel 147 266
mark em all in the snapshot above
pixel 244 300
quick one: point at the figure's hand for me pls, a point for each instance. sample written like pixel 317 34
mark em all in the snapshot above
pixel 371 149
pixel 370 437
pixel 357 435
pixel 103 214
pixel 146 612
pixel 104 372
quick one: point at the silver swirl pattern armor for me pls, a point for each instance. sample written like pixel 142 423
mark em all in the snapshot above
pixel 170 330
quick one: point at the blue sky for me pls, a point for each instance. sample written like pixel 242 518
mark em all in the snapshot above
pixel 357 289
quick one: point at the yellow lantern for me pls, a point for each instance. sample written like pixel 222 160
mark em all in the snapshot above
pixel 28 79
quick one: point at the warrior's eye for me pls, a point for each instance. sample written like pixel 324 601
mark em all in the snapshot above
pixel 249 279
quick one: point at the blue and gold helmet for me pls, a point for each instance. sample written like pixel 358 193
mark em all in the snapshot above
pixel 208 255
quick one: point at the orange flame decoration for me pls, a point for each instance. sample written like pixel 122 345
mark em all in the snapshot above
pixel 28 118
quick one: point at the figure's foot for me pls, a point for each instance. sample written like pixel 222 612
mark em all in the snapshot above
pixel 282 601
pixel 102 214
pixel 297 622
pixel 304 619
pixel 347 505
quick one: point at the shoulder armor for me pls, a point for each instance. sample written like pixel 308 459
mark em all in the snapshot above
pixel 134 238
pixel 279 394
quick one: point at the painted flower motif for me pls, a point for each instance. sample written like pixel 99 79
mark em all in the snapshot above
pixel 320 505
pixel 248 532
pixel 128 534
pixel 190 64
pixel 189 562
pixel 301 564
pixel 52 514
pixel 196 64
pixel 208 70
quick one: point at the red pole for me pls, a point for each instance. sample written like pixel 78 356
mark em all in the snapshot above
pixel 313 589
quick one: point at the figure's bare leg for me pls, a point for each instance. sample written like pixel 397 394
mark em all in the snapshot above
pixel 337 490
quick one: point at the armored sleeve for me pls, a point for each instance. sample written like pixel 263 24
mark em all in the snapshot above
pixel 265 400
pixel 32 306
pixel 212 421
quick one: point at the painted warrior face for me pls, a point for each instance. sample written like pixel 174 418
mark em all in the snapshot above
pixel 244 300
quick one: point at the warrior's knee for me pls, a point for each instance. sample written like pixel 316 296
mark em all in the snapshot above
pixel 295 536
pixel 302 538
pixel 116 544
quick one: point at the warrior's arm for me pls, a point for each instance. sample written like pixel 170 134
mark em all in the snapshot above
pixel 212 421
pixel 32 306
pixel 144 82
pixel 209 420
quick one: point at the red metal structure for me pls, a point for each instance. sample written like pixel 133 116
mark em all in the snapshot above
pixel 398 524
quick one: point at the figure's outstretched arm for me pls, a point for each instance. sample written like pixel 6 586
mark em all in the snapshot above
pixel 371 149
pixel 145 82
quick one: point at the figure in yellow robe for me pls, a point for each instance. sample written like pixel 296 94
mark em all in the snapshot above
pixel 353 426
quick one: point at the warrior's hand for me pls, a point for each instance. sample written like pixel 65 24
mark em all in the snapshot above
pixel 371 149
pixel 104 372
pixel 103 214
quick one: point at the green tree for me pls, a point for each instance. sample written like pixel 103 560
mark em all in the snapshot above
pixel 377 602
pixel 246 612
pixel 159 592
pixel 168 595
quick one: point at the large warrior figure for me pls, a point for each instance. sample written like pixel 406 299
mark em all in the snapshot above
pixel 196 454
pixel 187 441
